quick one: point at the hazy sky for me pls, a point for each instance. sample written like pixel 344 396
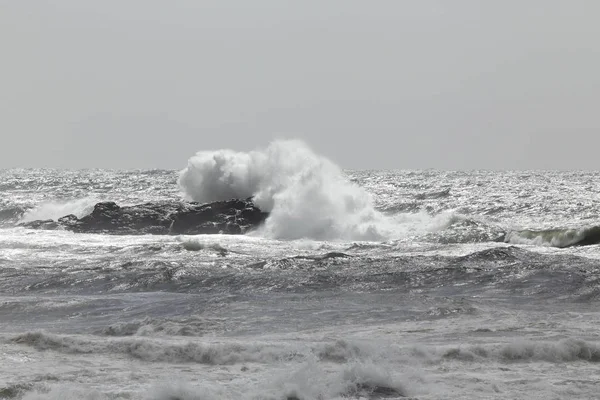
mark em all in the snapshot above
pixel 444 84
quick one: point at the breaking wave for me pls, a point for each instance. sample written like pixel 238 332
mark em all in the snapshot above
pixel 309 381
pixel 11 215
pixel 57 209
pixel 158 351
pixel 191 326
pixel 307 195
pixel 154 350
pixel 566 350
pixel 556 237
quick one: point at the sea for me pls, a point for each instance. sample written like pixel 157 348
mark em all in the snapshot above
pixel 361 284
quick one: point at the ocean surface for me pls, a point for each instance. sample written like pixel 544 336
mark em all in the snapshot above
pixel 362 284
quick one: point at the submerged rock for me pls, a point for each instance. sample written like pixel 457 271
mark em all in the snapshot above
pixel 162 218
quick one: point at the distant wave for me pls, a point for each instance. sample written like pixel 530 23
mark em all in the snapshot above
pixel 566 350
pixel 556 237
pixel 433 195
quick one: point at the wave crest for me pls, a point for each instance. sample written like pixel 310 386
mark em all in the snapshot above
pixel 556 237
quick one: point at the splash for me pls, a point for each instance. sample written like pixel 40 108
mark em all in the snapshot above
pixel 307 195
pixel 56 209
pixel 567 237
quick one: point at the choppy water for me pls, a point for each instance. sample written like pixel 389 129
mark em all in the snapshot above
pixel 436 309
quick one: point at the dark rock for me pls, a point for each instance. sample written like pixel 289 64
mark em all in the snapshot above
pixel 162 218
pixel 67 219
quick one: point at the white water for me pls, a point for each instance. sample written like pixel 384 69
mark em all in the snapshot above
pixel 57 209
pixel 307 195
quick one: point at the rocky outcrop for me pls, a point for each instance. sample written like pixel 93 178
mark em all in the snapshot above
pixel 162 218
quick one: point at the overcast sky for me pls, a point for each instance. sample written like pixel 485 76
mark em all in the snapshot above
pixel 461 84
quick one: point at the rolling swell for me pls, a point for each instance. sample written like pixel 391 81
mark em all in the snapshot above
pixel 510 270
pixel 157 351
pixel 340 351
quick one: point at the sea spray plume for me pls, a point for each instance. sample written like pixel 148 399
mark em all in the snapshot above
pixel 56 209
pixel 307 195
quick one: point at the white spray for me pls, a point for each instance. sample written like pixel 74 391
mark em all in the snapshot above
pixel 56 209
pixel 307 195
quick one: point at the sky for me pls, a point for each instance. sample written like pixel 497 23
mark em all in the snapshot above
pixel 386 84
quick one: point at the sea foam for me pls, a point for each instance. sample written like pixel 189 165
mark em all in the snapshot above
pixel 307 195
